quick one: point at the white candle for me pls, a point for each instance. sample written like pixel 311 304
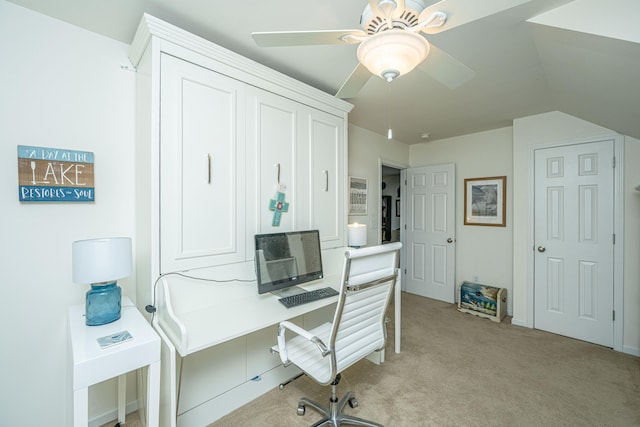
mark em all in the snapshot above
pixel 357 235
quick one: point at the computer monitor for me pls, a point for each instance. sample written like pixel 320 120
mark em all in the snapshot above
pixel 284 260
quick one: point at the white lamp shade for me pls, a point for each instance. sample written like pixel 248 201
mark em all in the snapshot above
pixel 357 234
pixel 396 51
pixel 101 260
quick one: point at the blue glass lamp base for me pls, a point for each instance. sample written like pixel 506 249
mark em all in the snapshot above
pixel 103 303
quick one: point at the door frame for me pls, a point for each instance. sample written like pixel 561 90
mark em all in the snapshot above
pixel 618 229
pixel 403 173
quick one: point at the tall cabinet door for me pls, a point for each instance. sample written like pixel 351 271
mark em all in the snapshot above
pixel 202 219
pixel 327 177
pixel 272 125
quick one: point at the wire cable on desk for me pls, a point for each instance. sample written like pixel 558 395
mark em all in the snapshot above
pixel 151 308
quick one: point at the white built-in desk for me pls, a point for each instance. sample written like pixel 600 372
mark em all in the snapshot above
pixel 223 311
pixel 194 315
pixel 93 364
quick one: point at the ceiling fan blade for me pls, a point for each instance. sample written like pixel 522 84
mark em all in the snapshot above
pixel 359 76
pixel 304 38
pixel 462 11
pixel 446 69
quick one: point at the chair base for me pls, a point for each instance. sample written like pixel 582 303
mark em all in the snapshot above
pixel 333 415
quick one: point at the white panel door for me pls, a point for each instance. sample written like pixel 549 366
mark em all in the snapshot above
pixel 430 233
pixel 202 182
pixel 574 206
pixel 327 177
pixel 273 125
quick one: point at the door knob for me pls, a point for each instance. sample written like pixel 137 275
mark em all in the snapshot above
pixel 541 249
pixel 449 240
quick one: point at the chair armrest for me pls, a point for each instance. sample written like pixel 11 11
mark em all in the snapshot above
pixel 282 346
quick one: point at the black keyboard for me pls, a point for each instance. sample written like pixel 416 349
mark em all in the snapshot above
pixel 305 297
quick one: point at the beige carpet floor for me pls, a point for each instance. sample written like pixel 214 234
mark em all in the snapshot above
pixel 457 369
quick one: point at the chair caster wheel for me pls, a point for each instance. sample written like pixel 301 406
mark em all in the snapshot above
pixel 301 410
pixel 353 403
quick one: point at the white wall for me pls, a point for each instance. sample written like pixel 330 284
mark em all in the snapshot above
pixel 556 127
pixel 367 152
pixel 631 337
pixel 61 87
pixel 481 251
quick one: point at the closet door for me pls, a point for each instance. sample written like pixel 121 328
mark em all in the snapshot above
pixel 202 219
pixel 327 177
pixel 273 126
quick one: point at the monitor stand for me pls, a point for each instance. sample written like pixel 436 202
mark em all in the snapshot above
pixel 291 290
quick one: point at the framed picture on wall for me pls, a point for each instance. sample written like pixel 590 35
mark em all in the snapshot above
pixel 485 201
pixel 357 196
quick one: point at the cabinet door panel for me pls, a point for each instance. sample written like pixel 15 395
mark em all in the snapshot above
pixel 202 181
pixel 273 123
pixel 328 177
pixel 208 373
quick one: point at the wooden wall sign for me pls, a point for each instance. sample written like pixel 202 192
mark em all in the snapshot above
pixel 55 175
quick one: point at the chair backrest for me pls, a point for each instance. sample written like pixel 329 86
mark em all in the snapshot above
pixel 368 279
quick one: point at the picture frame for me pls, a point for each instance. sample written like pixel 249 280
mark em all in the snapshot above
pixel 358 195
pixel 485 201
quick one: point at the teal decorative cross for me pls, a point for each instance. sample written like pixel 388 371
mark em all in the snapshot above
pixel 278 205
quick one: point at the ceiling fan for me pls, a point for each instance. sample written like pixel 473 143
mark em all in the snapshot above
pixel 391 43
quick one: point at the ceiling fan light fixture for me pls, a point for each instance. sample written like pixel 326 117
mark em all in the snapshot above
pixel 393 51
pixel 389 75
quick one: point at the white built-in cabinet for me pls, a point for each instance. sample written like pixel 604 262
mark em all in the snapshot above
pixel 226 149
pixel 218 135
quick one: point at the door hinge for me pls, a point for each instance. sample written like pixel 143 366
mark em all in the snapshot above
pixel 405 226
pixel 614 238
pixel 405 271
pixel 614 162
pixel 614 315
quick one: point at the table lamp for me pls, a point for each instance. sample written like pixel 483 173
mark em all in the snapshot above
pixel 100 263
pixel 357 234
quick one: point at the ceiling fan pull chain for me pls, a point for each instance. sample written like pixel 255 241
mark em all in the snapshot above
pixel 389 132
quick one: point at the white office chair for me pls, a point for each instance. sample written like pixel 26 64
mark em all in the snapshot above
pixel 368 278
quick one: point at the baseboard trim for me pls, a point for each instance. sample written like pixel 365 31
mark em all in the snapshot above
pixel 518 322
pixel 112 415
pixel 634 351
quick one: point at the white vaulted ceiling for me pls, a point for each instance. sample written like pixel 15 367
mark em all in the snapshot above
pixel 580 57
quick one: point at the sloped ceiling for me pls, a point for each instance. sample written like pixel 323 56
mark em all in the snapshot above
pixel 580 57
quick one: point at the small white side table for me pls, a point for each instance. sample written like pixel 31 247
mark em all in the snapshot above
pixel 93 364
